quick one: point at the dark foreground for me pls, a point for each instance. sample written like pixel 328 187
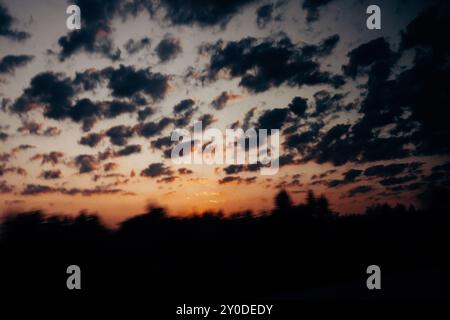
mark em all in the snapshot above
pixel 292 253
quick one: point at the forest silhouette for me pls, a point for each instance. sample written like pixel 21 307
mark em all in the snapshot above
pixel 303 251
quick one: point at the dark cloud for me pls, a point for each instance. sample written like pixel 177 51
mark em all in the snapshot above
pixel 105 155
pixel 94 37
pixel 248 117
pixel 4 157
pixel 54 157
pixel 55 94
pixel 262 65
pixel 6 22
pixel 133 47
pixel 51 132
pixel 17 170
pixel 229 179
pixel 51 91
pixel 36 189
pixel 414 186
pixel 51 174
pixel 33 189
pixel 295 182
pixel 201 12
pixel 182 119
pixel 323 49
pixel 376 51
pixel 443 167
pixel 110 166
pixel 119 135
pixel 386 170
pixel 151 129
pixel 323 174
pixel 237 179
pixel 388 99
pixel 156 170
pixel 92 139
pixel 362 143
pixel 145 113
pixel 312 8
pixel 293 128
pixel 9 63
pixel 22 147
pixel 238 168
pixel 37 129
pixel 250 180
pixel 298 106
pixel 162 143
pixel 168 179
pixel 349 177
pixel 287 159
pixel 430 78
pixel 428 28
pixel 332 183
pixel 168 48
pixel 398 180
pixel 301 141
pixel 140 100
pixel 126 81
pixel 86 163
pixel 89 112
pixel 359 190
pixel 30 127
pixel 4 105
pixel 352 174
pixel 223 99
pixel 5 187
pixel 264 15
pixel 327 102
pixel 3 136
pixel 116 176
pixel 440 174
pixel 207 48
pixel 332 146
pixel 434 177
pixel 233 169
pixel 128 150
pixel 88 79
pixel 116 108
pixel 207 120
pixel 183 105
pixel 273 119
pixel 185 171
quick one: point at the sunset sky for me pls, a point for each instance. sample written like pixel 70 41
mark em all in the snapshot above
pixel 86 116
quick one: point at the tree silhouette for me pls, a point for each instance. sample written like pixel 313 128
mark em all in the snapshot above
pixel 322 207
pixel 311 200
pixel 283 201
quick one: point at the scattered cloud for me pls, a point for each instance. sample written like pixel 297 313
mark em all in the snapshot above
pixel 168 48
pixel 9 63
